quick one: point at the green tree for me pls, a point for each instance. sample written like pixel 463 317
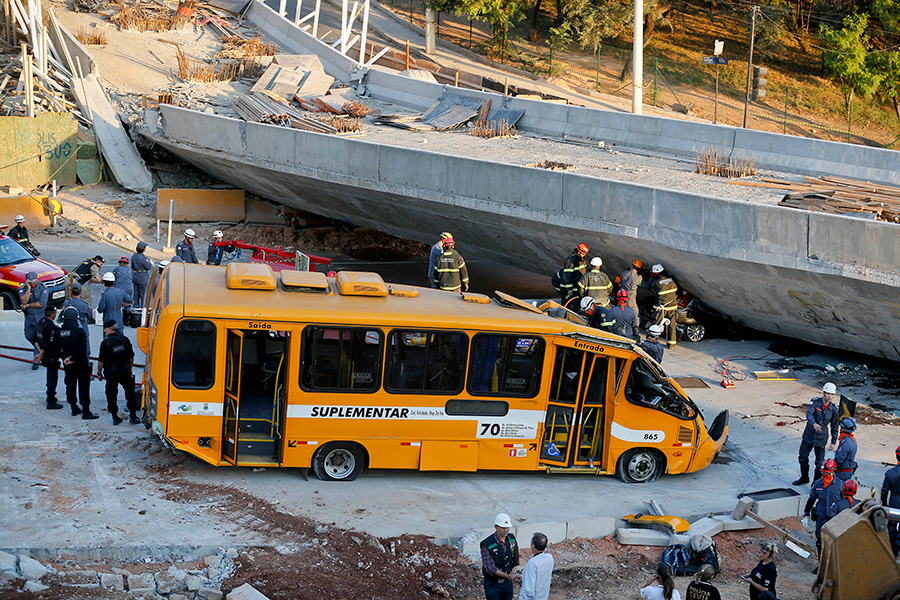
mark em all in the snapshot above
pixel 847 59
pixel 501 14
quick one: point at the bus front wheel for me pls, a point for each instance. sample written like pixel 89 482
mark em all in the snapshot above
pixel 640 465
pixel 338 461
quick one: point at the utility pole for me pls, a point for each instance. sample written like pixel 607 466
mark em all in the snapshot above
pixel 750 65
pixel 637 83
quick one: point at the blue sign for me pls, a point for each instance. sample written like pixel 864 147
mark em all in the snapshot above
pixel 715 60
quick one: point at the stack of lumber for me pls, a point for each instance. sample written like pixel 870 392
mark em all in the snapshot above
pixel 268 108
pixel 837 195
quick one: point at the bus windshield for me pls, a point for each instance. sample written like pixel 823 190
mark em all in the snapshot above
pixel 646 388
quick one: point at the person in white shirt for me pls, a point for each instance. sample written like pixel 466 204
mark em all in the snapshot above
pixel 538 571
pixel 661 586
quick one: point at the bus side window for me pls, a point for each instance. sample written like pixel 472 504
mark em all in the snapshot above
pixel 426 361
pixel 646 388
pixel 346 359
pixel 566 375
pixel 193 355
pixel 506 365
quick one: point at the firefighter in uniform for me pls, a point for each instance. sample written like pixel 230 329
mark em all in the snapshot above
pixel 47 334
pixel 625 318
pixel 86 273
pixel 666 307
pixel 630 281
pixel 85 314
pixel 845 455
pixel 113 301
pixel 499 554
pixel 890 496
pixel 436 251
pixel 185 249
pixel 651 345
pixel 115 363
pixel 450 273
pixel 821 415
pixel 572 271
pixel 20 234
pixel 33 297
pixel 140 274
pixel 214 253
pixel 848 491
pixel 122 274
pixel 598 317
pixel 823 493
pixel 73 349
pixel 596 284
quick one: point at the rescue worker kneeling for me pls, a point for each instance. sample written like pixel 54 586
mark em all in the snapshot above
pixel 115 364
pixel 651 345
pixel 598 317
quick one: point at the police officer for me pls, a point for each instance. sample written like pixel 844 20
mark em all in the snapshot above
pixel 73 349
pixel 890 496
pixel 140 274
pixel 499 554
pixel 572 271
pixel 848 491
pixel 20 234
pixel 436 251
pixel 115 363
pixel 185 249
pixel 47 334
pixel 598 317
pixel 666 307
pixel 823 493
pixel 33 298
pixel 845 455
pixel 450 273
pixel 85 314
pixel 630 281
pixel 625 318
pixel 596 284
pixel 213 252
pixel 821 415
pixel 86 273
pixel 113 301
pixel 651 345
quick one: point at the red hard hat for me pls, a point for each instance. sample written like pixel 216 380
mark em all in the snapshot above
pixel 123 259
pixel 897 453
pixel 583 248
pixel 849 488
pixel 448 242
pixel 829 466
pixel 622 295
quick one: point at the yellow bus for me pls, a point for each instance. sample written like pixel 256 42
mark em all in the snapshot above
pixel 247 367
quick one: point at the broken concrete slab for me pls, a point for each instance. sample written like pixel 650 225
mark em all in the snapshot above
pixel 7 562
pixel 632 536
pixel 280 81
pixel 555 532
pixel 315 83
pixel 142 581
pixel 772 505
pixel 79 578
pixel 201 205
pixel 590 528
pixel 210 594
pixel 112 581
pixel 246 592
pixel 31 569
pixel 731 524
pixel 302 62
pixel 706 526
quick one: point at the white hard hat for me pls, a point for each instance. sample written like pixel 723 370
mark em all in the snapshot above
pixel 20 219
pixel 587 303
pixel 656 269
pixel 829 388
pixel 218 234
pixel 655 330
pixel 189 233
pixel 596 262
pixel 109 277
pixel 502 520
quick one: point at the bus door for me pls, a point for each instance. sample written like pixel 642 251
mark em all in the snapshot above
pixel 574 424
pixel 256 365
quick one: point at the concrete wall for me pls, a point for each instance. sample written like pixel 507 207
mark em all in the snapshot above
pixel 36 150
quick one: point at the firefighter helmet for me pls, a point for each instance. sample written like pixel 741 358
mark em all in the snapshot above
pixel 189 233
pixel 655 330
pixel 656 269
pixel 637 264
pixel 582 248
pixel 848 424
pixel 597 262
pixel 218 234
pixel 829 466
pixel 849 488
pixel 622 295
pixel 448 242
pixel 587 303
pixel 20 219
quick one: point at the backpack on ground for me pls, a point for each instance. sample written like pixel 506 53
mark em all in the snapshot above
pixel 677 557
pixel 703 552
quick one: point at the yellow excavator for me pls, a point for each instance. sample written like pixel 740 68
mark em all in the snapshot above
pixel 856 561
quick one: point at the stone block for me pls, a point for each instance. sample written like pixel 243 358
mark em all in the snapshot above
pixel 4 575
pixel 34 587
pixel 178 597
pixel 194 582
pixel 79 578
pixel 144 581
pixel 706 526
pixel 166 583
pixel 246 592
pixel 209 594
pixel 470 544
pixel 732 524
pixel 632 536
pixel 31 569
pixel 773 509
pixel 145 595
pixel 231 553
pixel 112 581
pixel 590 528
pixel 7 562
pixel 555 532
pixel 211 560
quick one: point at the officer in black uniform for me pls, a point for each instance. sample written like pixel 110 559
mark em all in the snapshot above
pixel 499 554
pixel 214 253
pixel 115 363
pixel 890 496
pixel 73 349
pixel 47 334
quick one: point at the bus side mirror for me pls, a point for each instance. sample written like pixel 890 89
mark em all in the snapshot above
pixel 143 339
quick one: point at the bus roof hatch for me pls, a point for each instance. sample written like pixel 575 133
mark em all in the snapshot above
pixel 249 276
pixel 359 283
pixel 304 281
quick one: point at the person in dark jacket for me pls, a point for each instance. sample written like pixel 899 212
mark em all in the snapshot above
pixel 85 274
pixel 33 298
pixel 450 272
pixel 572 271
pixel 499 554
pixel 821 415
pixel 625 318
pixel 436 251
pixel 845 455
pixel 20 234
pixel 185 249
pixel 113 301
pixel 890 496
pixel 762 577
pixel 630 280
pixel 822 493
pixel 140 274
pixel 115 363
pixel 85 314
pixel 47 333
pixel 122 273
pixel 214 253
pixel 651 345
pixel 848 491
pixel 701 587
pixel 597 316
pixel 73 350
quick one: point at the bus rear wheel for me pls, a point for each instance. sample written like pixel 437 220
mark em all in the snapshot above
pixel 640 465
pixel 338 461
